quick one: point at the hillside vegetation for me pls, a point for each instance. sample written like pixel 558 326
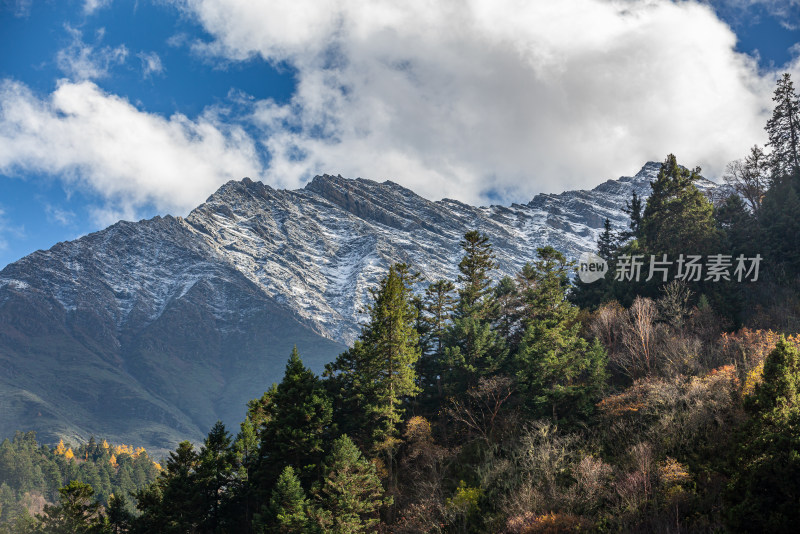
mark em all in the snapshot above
pixel 667 403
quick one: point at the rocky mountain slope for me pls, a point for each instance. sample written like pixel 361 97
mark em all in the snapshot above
pixel 148 332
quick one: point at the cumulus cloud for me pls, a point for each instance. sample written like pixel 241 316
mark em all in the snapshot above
pixel 82 61
pixel 132 158
pixel 494 98
pixel 151 64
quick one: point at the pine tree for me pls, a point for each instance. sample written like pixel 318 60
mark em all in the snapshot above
pixel 606 243
pixel 634 211
pixel 780 226
pixel 77 512
pixel 287 510
pixel 120 520
pixel 765 483
pixel 213 475
pixel 299 424
pixel 172 503
pixel 377 374
pixel 474 348
pixel 593 294
pixel 436 313
pixel 475 266
pixel 783 129
pixel 243 490
pixel 559 373
pixel 507 297
pixel 678 218
pixel 350 495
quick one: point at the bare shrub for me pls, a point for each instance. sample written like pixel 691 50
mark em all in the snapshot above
pixel 486 409
pixel 639 335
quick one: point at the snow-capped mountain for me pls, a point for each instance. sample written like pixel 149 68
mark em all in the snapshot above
pixel 319 249
pixel 150 331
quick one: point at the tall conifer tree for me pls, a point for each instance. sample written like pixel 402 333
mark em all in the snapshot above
pixel 350 494
pixel 299 424
pixel 475 349
pixel 783 129
pixel 560 373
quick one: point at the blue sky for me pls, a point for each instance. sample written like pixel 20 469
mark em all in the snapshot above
pixel 116 109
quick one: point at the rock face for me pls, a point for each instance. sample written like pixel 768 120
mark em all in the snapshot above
pixel 149 332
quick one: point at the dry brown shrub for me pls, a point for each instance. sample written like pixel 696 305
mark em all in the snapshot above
pixel 549 523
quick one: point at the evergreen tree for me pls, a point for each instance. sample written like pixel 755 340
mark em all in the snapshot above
pixel 299 424
pixel 214 475
pixel 350 495
pixel 781 227
pixel 678 218
pixel 173 504
pixel 634 211
pixel 378 372
pixel 765 484
pixel 286 513
pixel 507 298
pixel 436 313
pixel 474 348
pixel 606 243
pixel 475 266
pixel 593 294
pixel 120 520
pixel 783 129
pixel 246 449
pixel 77 512
pixel 559 373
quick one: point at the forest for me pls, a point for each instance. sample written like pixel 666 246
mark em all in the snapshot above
pixel 667 402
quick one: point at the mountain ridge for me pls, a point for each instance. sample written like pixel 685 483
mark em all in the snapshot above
pixel 191 317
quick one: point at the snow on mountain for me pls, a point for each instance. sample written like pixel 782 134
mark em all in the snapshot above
pixel 320 249
pixel 187 319
pixel 316 250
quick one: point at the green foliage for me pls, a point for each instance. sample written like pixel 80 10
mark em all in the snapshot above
pixel 214 473
pixel 783 129
pixel 765 483
pixel 77 512
pixel 474 347
pixel 438 305
pixel 172 503
pixel 350 493
pixel 287 506
pixel 299 423
pixel 120 519
pixel 559 372
pixel 678 218
pixel 378 373
pixel 781 227
pixel 30 472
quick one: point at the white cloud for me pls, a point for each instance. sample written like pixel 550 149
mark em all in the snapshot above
pixel 59 215
pixel 21 8
pixel 131 158
pixel 511 97
pixel 81 61
pixel 151 64
pixel 90 6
